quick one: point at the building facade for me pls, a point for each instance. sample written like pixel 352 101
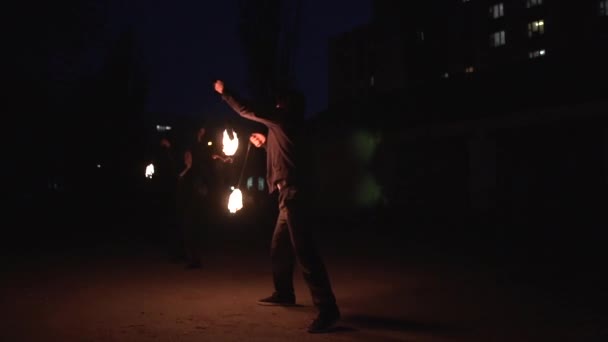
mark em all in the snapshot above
pixel 502 102
pixel 478 52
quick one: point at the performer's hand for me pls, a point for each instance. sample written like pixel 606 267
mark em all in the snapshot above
pixel 257 139
pixel 219 86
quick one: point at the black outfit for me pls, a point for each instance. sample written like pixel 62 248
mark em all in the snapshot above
pixel 291 239
pixel 165 181
pixel 194 202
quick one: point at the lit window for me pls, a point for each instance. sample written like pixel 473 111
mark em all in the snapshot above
pixel 536 54
pixel 420 35
pixel 497 39
pixel 604 7
pixel 372 81
pixel 497 10
pixel 261 183
pixel 532 3
pixel 469 70
pixel 445 75
pixel 249 183
pixel 536 28
pixel 162 128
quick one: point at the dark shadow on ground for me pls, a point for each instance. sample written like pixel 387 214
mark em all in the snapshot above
pixel 340 329
pixel 395 324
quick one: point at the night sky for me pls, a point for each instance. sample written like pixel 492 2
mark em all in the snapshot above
pixel 189 43
pixel 180 47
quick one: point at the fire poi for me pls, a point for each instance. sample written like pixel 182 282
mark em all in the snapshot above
pixel 230 145
pixel 150 171
pixel 235 201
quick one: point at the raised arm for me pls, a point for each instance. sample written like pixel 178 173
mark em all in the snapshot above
pixel 240 107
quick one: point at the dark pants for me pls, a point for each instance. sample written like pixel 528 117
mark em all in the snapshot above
pixel 194 225
pixel 168 218
pixel 292 240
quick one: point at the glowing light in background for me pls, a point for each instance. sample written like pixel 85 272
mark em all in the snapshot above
pixel 149 171
pixel 235 201
pixel 364 145
pixel 209 143
pixel 230 145
pixel 367 192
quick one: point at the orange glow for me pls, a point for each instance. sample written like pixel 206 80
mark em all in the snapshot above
pixel 230 145
pixel 235 202
pixel 149 171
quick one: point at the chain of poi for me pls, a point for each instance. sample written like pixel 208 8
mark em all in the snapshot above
pixel 235 200
pixel 238 184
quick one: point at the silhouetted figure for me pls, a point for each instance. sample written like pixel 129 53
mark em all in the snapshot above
pixel 198 196
pixel 191 206
pixel 165 181
pixel 291 239
pixel 224 175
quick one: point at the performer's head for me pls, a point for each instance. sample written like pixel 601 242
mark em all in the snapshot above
pixel 165 142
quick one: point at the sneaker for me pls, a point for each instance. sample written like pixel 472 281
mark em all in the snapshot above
pixel 276 300
pixel 324 321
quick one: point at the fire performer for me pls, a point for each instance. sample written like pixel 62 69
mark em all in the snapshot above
pixel 199 192
pixel 292 240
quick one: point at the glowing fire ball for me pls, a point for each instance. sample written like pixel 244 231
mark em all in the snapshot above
pixel 235 202
pixel 230 145
pixel 149 171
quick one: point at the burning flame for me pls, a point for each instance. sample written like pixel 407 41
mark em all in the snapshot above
pixel 149 171
pixel 235 202
pixel 230 145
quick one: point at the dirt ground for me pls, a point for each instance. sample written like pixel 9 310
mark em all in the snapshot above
pixel 130 292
